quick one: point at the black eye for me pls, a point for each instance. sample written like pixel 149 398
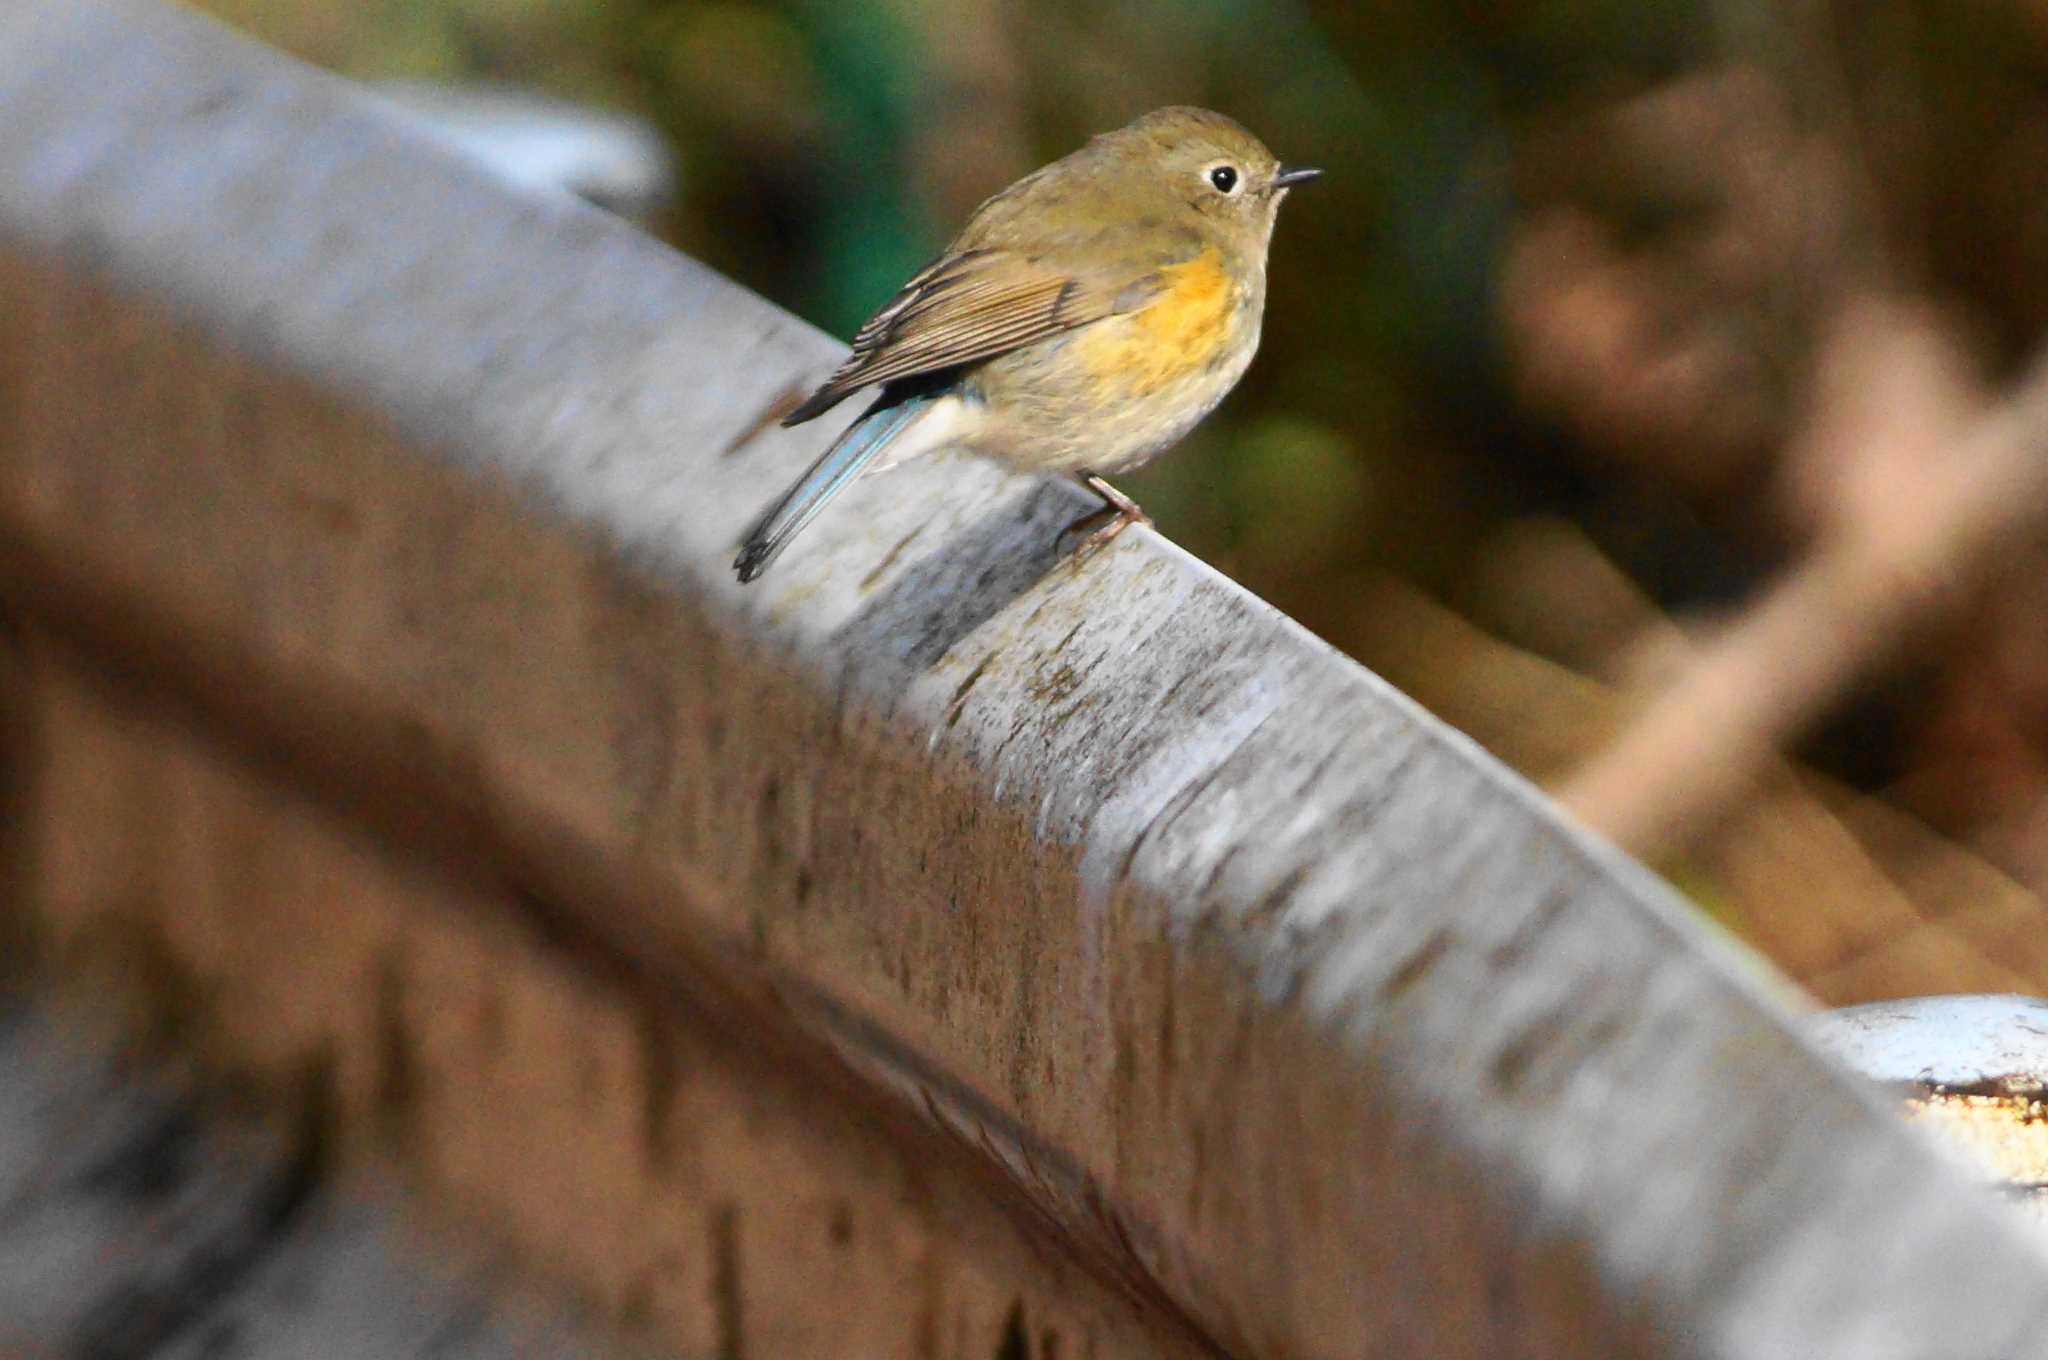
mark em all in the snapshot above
pixel 1224 177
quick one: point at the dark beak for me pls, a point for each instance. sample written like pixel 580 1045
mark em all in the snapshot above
pixel 1287 176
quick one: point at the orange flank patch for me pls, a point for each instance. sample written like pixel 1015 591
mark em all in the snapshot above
pixel 1172 337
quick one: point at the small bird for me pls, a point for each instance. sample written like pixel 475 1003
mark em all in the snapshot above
pixel 1083 321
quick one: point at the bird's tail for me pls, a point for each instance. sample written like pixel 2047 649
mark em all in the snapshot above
pixel 834 471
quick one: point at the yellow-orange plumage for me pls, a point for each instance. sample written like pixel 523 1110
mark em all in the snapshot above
pixel 1175 337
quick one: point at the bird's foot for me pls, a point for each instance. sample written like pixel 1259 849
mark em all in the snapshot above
pixel 1118 513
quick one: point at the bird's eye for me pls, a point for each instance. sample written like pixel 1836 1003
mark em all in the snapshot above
pixel 1224 179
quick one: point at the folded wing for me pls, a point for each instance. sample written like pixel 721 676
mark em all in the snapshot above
pixel 963 307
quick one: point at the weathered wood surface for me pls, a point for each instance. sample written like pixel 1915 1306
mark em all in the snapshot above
pixel 708 1185
pixel 1283 1008
pixel 141 1217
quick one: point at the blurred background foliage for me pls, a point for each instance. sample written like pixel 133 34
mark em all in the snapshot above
pixel 1526 425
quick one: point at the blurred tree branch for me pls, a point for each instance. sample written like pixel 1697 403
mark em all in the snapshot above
pixel 1883 906
pixel 1919 495
pixel 1901 486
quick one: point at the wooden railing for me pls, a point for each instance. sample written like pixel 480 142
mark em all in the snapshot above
pixel 941 947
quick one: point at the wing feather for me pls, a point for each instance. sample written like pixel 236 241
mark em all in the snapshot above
pixel 971 305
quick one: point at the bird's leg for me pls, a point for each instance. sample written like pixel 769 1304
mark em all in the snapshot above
pixel 1118 513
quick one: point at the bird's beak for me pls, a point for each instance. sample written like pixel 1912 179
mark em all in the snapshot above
pixel 1287 176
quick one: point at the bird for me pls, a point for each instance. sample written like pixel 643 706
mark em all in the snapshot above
pixel 1082 321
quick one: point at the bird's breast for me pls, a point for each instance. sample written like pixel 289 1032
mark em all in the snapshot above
pixel 1189 328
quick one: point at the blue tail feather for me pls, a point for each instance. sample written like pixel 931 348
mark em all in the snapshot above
pixel 831 474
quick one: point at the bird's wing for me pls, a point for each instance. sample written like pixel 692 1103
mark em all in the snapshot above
pixel 964 306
